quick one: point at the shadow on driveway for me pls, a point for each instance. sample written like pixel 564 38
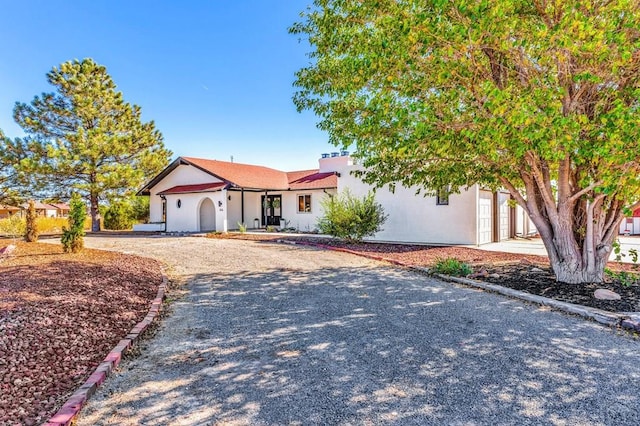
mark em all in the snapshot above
pixel 369 345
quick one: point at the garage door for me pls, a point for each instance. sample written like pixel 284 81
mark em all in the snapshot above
pixel 484 217
pixel 504 216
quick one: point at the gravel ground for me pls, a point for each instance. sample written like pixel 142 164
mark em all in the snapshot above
pixel 271 334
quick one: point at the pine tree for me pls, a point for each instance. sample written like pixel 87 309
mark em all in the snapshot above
pixel 86 138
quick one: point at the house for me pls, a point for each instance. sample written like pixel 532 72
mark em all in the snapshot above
pixel 62 209
pixel 198 195
pixel 8 211
pixel 42 210
pixel 631 225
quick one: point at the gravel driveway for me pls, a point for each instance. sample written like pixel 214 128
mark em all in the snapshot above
pixel 271 334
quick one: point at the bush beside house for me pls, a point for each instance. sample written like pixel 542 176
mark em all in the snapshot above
pixel 352 218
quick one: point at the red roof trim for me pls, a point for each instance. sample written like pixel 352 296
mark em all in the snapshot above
pixel 185 189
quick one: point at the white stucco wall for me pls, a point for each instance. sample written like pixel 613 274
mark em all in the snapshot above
pixel 303 221
pixel 186 218
pixel 414 218
pixel 331 164
pixel 181 175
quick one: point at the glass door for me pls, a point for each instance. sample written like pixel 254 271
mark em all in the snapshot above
pixel 271 210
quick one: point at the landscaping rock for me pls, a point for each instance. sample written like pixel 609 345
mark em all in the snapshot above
pixel 6 251
pixel 536 270
pixel 494 275
pixel 604 294
pixel 480 274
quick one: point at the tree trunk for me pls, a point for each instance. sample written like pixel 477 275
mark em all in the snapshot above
pixel 577 233
pixel 566 274
pixel 95 220
pixel 575 263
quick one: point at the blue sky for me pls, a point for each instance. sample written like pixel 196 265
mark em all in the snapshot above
pixel 216 76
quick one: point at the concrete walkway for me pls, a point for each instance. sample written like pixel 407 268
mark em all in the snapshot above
pixel 271 334
pixel 535 246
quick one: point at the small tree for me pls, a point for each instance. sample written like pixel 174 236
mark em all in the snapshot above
pixel 31 229
pixel 73 238
pixel 346 216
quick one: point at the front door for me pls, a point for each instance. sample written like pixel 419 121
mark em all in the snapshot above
pixel 271 210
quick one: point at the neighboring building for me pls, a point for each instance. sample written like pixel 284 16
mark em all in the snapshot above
pixel 62 209
pixel 42 210
pixel 631 225
pixel 8 211
pixel 198 195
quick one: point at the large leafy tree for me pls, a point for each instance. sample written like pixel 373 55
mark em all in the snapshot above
pixel 539 97
pixel 86 138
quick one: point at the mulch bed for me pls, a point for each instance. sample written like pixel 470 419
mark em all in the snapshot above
pixel 530 273
pixel 60 315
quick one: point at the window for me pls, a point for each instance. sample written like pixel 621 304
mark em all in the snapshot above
pixel 442 196
pixel 304 203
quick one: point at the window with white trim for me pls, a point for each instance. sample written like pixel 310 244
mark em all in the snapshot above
pixel 304 203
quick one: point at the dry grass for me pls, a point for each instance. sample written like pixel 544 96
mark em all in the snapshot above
pixel 15 226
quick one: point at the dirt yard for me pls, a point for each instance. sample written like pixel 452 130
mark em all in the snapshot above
pixel 60 314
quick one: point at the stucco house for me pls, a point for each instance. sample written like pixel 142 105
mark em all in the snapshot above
pixel 8 211
pixel 197 195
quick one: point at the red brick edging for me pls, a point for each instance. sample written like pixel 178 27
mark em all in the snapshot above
pixel 626 321
pixel 68 412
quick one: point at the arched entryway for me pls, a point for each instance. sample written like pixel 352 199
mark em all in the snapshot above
pixel 207 215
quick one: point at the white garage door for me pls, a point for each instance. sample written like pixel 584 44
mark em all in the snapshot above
pixel 484 217
pixel 504 216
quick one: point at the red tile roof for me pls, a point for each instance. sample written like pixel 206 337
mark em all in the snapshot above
pixel 311 179
pixel 259 177
pixel 60 206
pixel 9 208
pixel 38 206
pixel 243 175
pixel 185 189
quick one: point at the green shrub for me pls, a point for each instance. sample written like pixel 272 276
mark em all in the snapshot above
pixel 31 226
pixel 625 278
pixel 451 266
pixel 118 216
pixel 73 237
pixel 351 218
pixel 242 227
pixel 140 209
